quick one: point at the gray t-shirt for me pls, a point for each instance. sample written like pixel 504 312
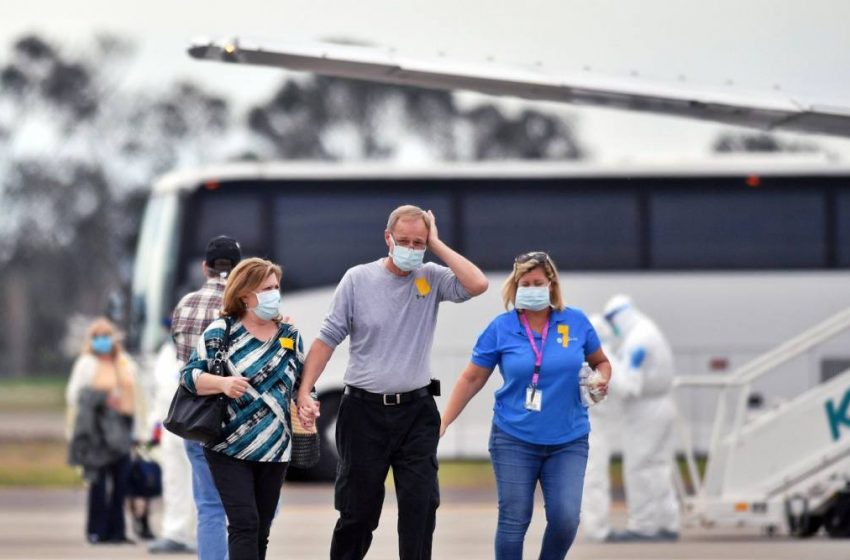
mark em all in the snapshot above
pixel 391 321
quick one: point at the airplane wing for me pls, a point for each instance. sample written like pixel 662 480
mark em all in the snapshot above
pixel 771 110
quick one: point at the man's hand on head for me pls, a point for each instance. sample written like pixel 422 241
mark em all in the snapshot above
pixel 433 234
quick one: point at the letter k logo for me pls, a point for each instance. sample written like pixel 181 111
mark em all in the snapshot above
pixel 838 417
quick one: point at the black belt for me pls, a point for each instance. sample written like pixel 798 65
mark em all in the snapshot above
pixel 391 399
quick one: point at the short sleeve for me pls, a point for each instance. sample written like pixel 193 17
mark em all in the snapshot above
pixel 591 339
pixel 299 354
pixel 486 353
pixel 448 286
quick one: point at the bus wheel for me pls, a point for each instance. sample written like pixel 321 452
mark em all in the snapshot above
pixel 837 518
pixel 325 470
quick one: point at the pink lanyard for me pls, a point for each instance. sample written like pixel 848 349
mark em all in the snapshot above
pixel 538 354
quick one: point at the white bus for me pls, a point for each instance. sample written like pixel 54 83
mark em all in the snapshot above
pixel 730 256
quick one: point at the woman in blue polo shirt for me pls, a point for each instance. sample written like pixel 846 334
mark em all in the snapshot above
pixel 540 425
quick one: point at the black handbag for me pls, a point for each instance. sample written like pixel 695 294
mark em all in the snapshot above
pixel 196 417
pixel 145 476
pixel 305 442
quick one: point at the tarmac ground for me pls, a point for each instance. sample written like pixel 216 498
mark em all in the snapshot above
pixel 48 524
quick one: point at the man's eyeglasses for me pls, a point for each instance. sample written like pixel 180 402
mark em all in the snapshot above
pixel 537 256
pixel 410 244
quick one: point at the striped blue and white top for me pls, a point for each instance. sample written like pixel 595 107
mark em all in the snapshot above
pixel 258 425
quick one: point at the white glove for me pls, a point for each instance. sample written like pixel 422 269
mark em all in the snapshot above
pixel 590 382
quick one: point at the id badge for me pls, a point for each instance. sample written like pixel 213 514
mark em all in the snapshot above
pixel 533 399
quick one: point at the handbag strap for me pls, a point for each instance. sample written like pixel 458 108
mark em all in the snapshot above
pixel 268 400
pixel 220 358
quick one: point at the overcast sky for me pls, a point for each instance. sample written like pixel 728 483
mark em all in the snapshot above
pixel 799 46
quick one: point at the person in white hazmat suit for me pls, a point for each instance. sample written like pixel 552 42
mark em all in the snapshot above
pixel 178 508
pixel 644 386
pixel 605 428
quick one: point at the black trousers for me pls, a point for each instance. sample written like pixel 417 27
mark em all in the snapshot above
pixel 249 492
pixel 371 438
pixel 107 492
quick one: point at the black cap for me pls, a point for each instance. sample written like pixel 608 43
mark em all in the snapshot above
pixel 223 248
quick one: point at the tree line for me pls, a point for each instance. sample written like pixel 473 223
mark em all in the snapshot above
pixel 78 152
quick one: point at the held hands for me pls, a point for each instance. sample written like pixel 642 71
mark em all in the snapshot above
pixel 234 387
pixel 308 410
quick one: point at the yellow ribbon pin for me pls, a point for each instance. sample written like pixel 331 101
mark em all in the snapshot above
pixel 423 286
pixel 287 343
pixel 564 331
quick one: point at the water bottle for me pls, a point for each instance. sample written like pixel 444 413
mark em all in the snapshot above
pixel 589 381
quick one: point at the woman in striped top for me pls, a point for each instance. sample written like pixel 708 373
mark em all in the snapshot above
pixel 265 359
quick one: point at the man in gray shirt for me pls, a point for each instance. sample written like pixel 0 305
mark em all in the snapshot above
pixel 388 417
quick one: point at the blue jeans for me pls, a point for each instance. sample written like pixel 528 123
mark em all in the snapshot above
pixel 212 523
pixel 518 466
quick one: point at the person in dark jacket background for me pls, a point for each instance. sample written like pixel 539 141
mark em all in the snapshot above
pixel 101 398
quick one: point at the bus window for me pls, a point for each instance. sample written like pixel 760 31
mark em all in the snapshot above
pixel 737 230
pixel 581 230
pixel 236 214
pixel 319 235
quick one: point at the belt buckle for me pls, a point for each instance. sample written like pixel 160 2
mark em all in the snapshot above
pixel 396 396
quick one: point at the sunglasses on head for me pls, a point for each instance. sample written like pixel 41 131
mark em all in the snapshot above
pixel 537 256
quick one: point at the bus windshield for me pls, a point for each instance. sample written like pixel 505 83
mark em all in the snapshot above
pixel 152 273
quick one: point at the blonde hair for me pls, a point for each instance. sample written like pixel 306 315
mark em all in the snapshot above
pixel 520 269
pixel 407 211
pixel 244 280
pixel 103 327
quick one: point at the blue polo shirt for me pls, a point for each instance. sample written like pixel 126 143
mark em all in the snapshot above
pixel 505 343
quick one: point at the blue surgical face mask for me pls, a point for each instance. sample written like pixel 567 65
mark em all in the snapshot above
pixel 101 344
pixel 268 305
pixel 533 298
pixel 406 259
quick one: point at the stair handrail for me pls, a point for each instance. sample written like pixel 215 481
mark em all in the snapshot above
pixel 744 377
pixel 771 359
